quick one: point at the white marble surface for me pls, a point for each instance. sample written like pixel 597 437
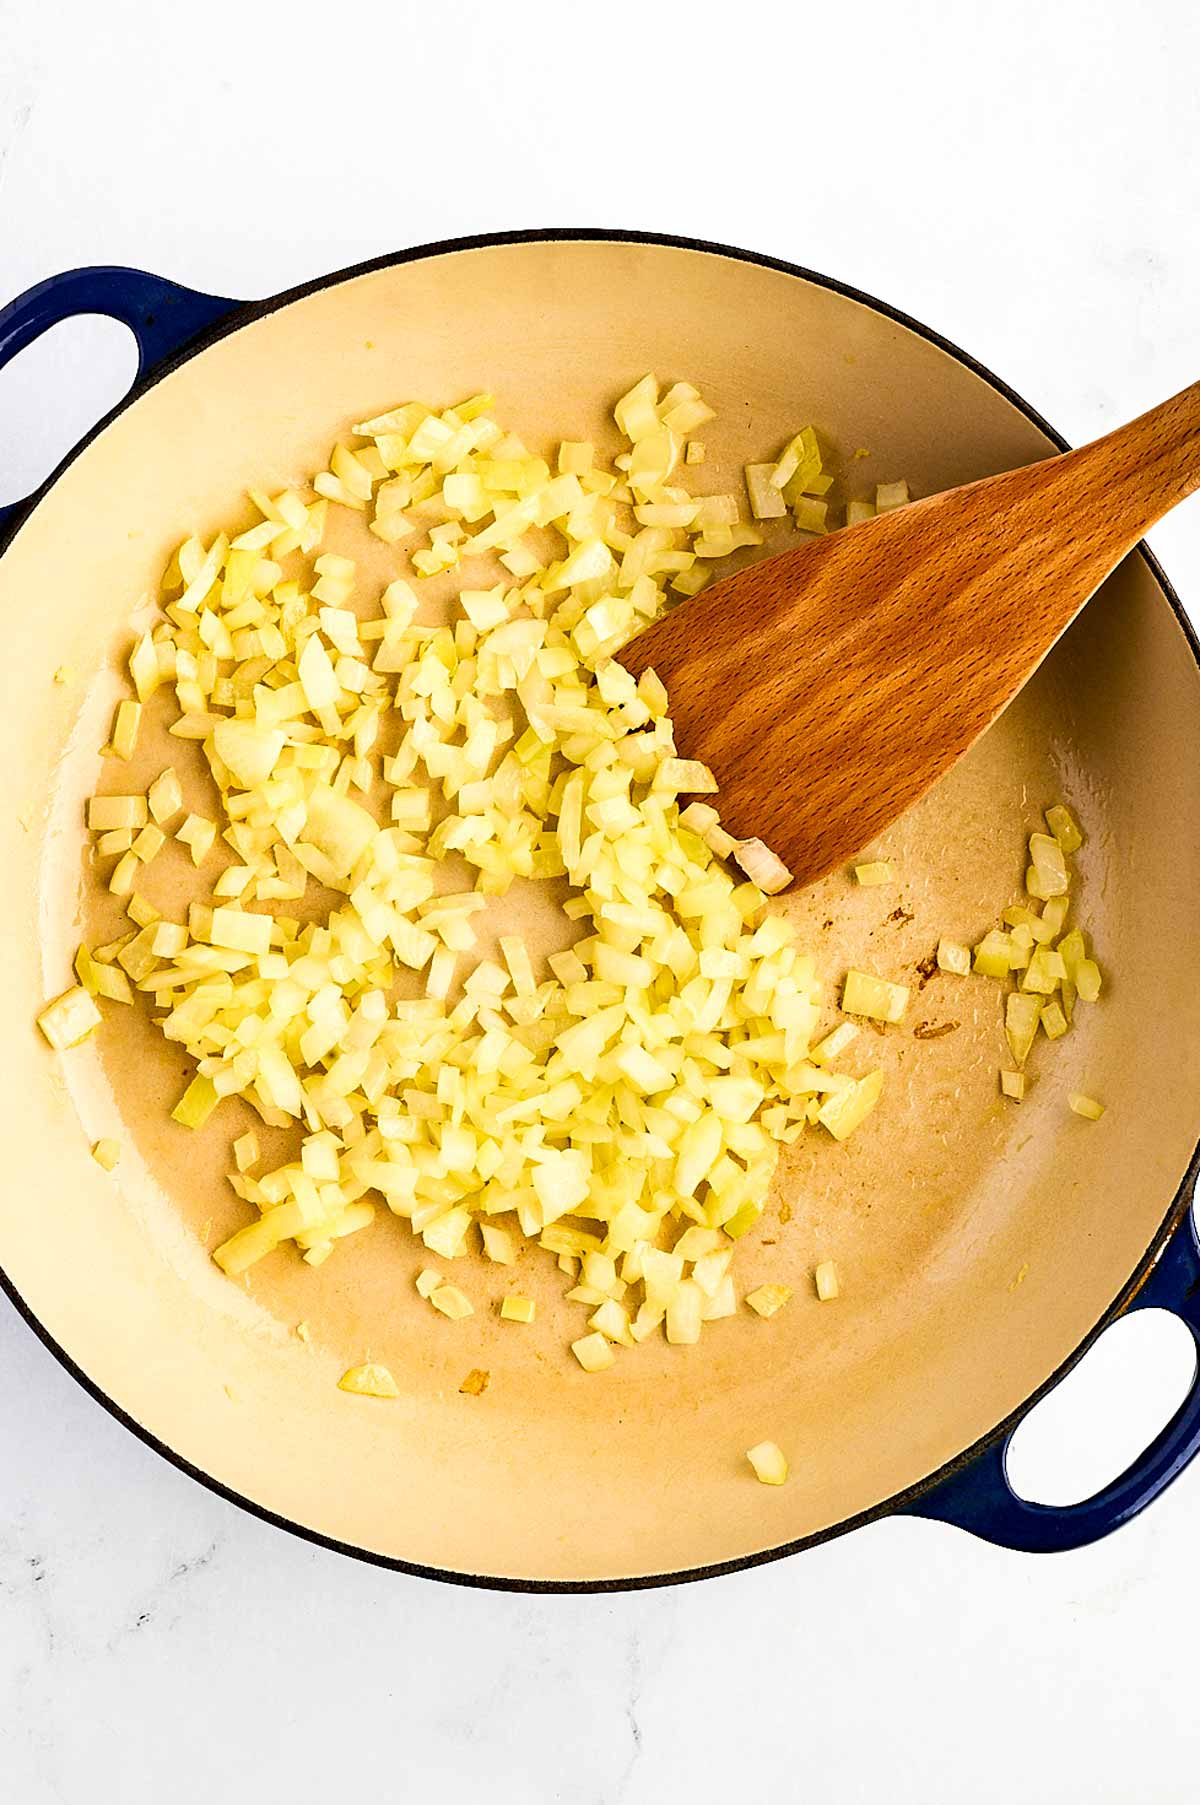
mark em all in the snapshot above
pixel 1024 178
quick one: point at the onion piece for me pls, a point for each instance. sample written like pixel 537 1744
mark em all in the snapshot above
pixel 451 1302
pixel 768 1300
pixel 766 502
pixel 762 866
pixel 369 1381
pixel 517 1309
pixel 69 1019
pixel 1064 827
pixel 825 1278
pixel 594 1353
pixel 891 495
pixel 953 956
pixel 767 1459
pixel 875 998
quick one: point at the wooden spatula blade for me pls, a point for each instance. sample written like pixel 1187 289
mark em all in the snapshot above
pixel 829 687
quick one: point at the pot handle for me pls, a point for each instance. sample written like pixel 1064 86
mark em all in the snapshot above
pixel 978 1497
pixel 162 316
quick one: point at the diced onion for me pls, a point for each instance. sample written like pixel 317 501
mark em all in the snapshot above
pixel 369 1381
pixel 876 998
pixel 246 1151
pixel 451 1302
pixel 165 797
pixel 889 496
pixel 1053 967
pixel 768 1462
pixel 623 1107
pixel 1064 827
pixel 825 1278
pixel 125 728
pixel 70 1018
pixel 593 1352
pixel 810 514
pixel 517 1309
pixel 762 866
pixel 766 501
pixel 845 1110
pixel 498 1244
pixel 768 1299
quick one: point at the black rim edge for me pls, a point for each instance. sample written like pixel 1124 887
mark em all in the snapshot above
pixel 909 1495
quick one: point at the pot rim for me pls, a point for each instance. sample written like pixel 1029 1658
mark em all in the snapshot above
pixel 910 1496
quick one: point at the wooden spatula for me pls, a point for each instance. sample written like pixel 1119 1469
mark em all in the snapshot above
pixel 830 686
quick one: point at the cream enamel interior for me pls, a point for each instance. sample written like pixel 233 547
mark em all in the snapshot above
pixel 977 1242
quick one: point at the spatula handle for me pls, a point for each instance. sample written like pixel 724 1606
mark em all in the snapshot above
pixel 1120 485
